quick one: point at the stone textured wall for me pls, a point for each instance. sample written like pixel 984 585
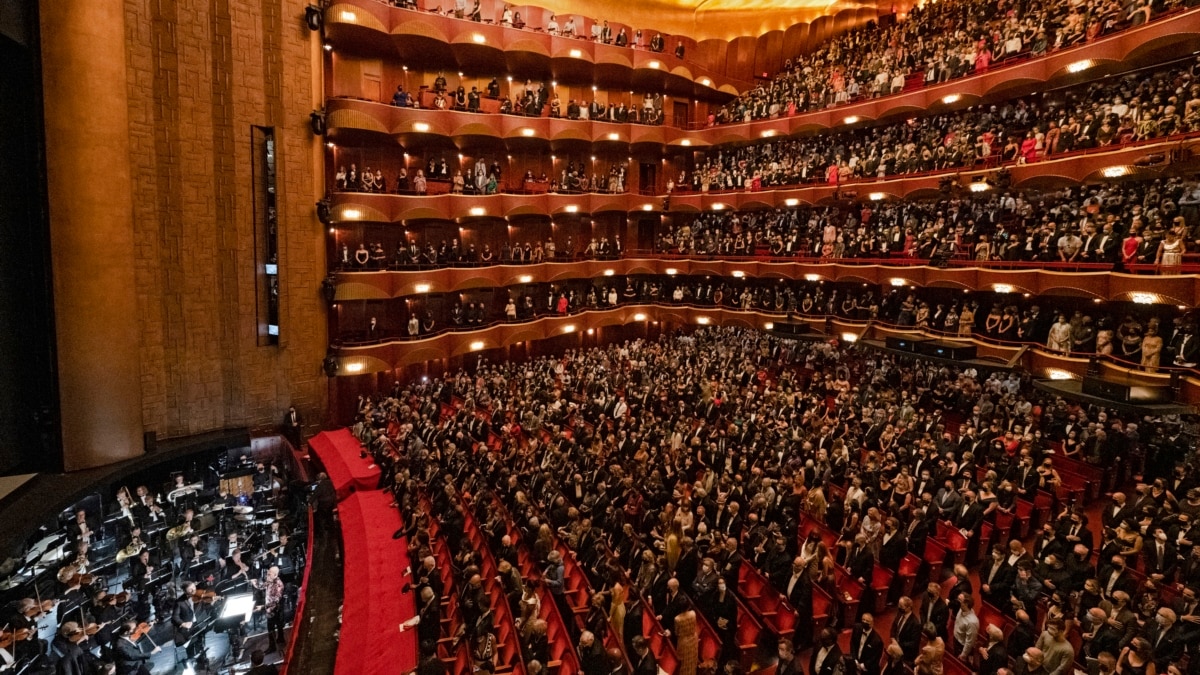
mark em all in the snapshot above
pixel 201 74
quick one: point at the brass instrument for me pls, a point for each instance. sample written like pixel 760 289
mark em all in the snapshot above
pixel 185 490
pixel 179 531
pixel 135 547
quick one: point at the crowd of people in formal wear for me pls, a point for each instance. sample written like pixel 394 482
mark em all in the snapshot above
pixel 934 43
pixel 666 466
pixel 1144 223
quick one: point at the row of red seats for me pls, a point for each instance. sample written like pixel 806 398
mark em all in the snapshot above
pixel 456 656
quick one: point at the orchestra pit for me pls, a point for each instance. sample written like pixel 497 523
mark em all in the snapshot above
pixel 393 337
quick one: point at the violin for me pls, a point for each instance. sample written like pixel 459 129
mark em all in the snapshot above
pixel 80 580
pixel 8 637
pixel 38 610
pixel 85 632
pixel 142 630
pixel 206 597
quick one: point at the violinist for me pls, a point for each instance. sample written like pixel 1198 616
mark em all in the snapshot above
pixel 106 613
pixel 184 618
pixel 131 658
pixel 68 656
pixel 24 625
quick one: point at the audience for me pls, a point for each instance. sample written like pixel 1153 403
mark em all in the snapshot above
pixel 711 446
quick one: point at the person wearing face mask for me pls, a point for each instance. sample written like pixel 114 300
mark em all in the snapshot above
pixel 1098 636
pixel 1166 639
pixel 1057 653
pixel 1115 577
pixel 787 664
pixel 1161 558
pixel 996 577
pixel 826 656
pixel 866 646
pixel 1075 530
pixel 993 655
pixel 723 615
pixel 935 611
pixel 1023 635
pixel 1030 663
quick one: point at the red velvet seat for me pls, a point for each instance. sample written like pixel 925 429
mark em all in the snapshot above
pixel 881 583
pixel 910 566
pixel 934 557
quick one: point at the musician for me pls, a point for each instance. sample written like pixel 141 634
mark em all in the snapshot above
pixel 262 478
pixel 131 660
pixel 26 619
pixel 196 568
pixel 140 570
pixel 68 657
pixel 230 545
pixel 224 499
pixel 184 618
pixel 124 510
pixel 148 512
pixel 104 611
pixel 187 549
pixel 257 666
pixel 82 528
pixel 237 569
pixel 272 587
pixel 132 540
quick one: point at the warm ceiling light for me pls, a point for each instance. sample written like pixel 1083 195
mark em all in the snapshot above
pixel 951 98
pixel 685 142
pixel 768 326
pixel 980 186
pixel 356 367
pixel 572 208
pixel 671 271
pixel 1059 374
pixel 352 214
pixel 1002 288
pixel 577 53
pixel 647 207
pixel 1144 298
pixel 348 16
pixel 527 132
pixel 639 317
pixel 423 288
pixel 706 82
pixel 769 133
pixel 420 127
pixel 569 328
pixel 1116 171
pixel 613 136
pixel 476 345
pixel 718 207
pixel 1079 66
pixel 703 320
pixel 479 38
pixel 525 278
pixel 738 274
pixel 654 64
pixel 328 47
pixel 591 331
pixel 812 277
pixel 478 210
pixel 851 119
pixel 876 196
pixel 897 281
pixel 791 202
pixel 609 272
pixel 849 337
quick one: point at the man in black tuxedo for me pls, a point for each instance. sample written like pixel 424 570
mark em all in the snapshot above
pixel 1116 512
pixel 866 647
pixel 859 560
pixel 184 619
pixel 969 516
pixel 1167 639
pixel 673 604
pixel 893 546
pixel 1161 558
pixel 906 629
pixel 934 610
pixel 826 655
pixel 996 577
pixel 293 425
pixel 130 658
pixel 1075 530
pixel 642 660
pixel 794 584
pixel 993 655
pixel 1115 577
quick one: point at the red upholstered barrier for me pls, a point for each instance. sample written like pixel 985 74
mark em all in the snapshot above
pixel 370 642
pixel 339 452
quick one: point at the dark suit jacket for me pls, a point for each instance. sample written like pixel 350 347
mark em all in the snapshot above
pixel 644 665
pixel 1001 583
pixel 971 519
pixel 1166 566
pixel 861 563
pixel 892 552
pixel 870 654
pixel 908 635
pixel 829 665
pixel 997 658
pixel 938 614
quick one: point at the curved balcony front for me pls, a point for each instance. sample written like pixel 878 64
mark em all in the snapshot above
pixel 379 30
pixel 385 357
pixel 1143 160
pixel 1086 281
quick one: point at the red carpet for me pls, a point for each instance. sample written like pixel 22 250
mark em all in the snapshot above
pixel 339 452
pixel 374 606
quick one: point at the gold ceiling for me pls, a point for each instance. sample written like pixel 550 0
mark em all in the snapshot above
pixel 706 19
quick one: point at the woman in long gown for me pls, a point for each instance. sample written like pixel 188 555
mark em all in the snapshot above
pixel 1059 339
pixel 1151 349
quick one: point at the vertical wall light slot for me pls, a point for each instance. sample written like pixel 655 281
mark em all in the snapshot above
pixel 267 267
